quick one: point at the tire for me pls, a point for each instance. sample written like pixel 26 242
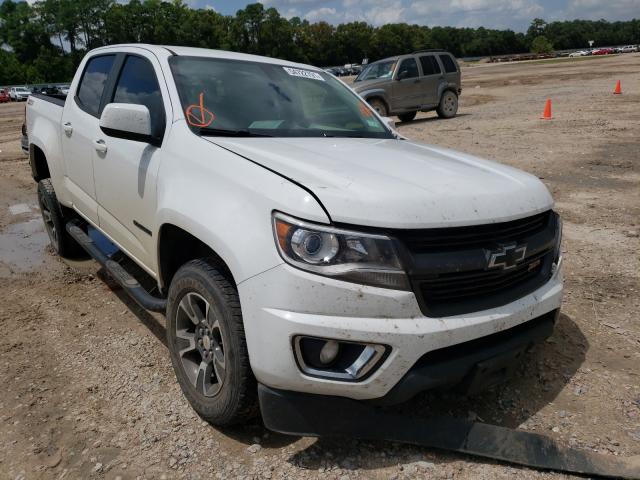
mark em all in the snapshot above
pixel 407 117
pixel 379 106
pixel 54 222
pixel 448 106
pixel 209 350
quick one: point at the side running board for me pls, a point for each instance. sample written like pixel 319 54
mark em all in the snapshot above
pixel 119 274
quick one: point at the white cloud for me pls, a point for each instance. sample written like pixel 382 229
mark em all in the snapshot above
pixel 375 12
pixel 292 2
pixel 379 15
pixel 490 13
pixel 475 13
pixel 506 8
pixel 596 9
pixel 320 14
pixel 513 14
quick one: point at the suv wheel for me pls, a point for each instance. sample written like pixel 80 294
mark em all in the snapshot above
pixel 54 222
pixel 208 348
pixel 448 106
pixel 379 106
pixel 407 117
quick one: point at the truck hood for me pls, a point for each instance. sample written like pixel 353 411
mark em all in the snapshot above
pixel 398 183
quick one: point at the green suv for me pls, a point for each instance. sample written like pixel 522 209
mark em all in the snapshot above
pixel 403 85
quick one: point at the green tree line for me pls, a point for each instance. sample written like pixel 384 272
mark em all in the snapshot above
pixel 44 42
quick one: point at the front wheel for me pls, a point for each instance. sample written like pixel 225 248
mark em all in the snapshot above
pixel 379 106
pixel 208 348
pixel 448 106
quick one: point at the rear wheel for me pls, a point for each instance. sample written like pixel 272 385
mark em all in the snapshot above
pixel 379 106
pixel 208 348
pixel 407 117
pixel 448 106
pixel 54 222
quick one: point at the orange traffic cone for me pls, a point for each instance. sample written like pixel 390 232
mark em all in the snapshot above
pixel 547 111
pixel 618 89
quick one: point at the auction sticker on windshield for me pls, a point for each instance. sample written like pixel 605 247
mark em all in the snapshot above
pixel 296 72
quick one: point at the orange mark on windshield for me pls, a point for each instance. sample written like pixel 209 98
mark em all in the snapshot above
pixel 365 110
pixel 198 116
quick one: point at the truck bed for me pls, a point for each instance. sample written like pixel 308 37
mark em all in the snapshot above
pixel 57 99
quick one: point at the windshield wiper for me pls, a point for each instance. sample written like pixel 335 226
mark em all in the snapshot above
pixel 222 132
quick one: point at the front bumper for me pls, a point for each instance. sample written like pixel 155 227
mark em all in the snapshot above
pixel 284 302
pixel 473 366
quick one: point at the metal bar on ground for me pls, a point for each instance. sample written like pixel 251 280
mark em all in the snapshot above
pixel 316 415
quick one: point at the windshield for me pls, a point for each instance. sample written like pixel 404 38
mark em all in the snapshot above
pixel 377 70
pixel 22 90
pixel 238 98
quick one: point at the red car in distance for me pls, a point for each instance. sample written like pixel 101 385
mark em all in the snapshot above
pixel 603 51
pixel 4 96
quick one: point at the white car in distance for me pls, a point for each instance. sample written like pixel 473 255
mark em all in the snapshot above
pixel 19 94
pixel 580 53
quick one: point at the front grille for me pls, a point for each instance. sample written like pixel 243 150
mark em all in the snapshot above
pixel 455 286
pixel 418 241
pixel 449 268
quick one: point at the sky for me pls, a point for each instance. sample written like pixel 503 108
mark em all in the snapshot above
pixel 502 14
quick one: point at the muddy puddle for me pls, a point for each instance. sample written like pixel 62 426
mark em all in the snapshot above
pixel 22 247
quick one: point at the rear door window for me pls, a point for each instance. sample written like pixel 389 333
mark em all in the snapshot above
pixel 93 81
pixel 138 85
pixel 448 63
pixel 430 65
pixel 409 66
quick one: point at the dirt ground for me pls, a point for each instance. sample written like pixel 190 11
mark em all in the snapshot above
pixel 88 389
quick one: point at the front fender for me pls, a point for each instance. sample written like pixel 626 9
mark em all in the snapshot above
pixel 226 201
pixel 375 92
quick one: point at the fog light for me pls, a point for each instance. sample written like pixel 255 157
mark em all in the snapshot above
pixel 329 352
pixel 337 359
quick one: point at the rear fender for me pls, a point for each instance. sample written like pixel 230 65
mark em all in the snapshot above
pixel 44 134
pixel 443 87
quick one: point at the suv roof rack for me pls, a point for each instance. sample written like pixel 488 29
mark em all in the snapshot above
pixel 426 50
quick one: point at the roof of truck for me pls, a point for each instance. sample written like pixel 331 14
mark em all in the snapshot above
pixel 417 52
pixel 205 52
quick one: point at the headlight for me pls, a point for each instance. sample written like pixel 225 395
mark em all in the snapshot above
pixel 351 256
pixel 558 243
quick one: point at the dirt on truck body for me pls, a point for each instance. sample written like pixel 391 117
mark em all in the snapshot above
pixel 88 386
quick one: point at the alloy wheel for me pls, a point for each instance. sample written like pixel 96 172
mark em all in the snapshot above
pixel 200 344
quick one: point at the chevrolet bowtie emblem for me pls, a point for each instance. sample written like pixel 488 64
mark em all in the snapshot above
pixel 507 257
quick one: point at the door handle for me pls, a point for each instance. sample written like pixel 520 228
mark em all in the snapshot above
pixel 100 146
pixel 68 129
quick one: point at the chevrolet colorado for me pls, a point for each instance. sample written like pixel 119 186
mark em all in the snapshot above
pixel 295 242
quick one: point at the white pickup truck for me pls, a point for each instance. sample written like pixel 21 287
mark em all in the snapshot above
pixel 298 246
